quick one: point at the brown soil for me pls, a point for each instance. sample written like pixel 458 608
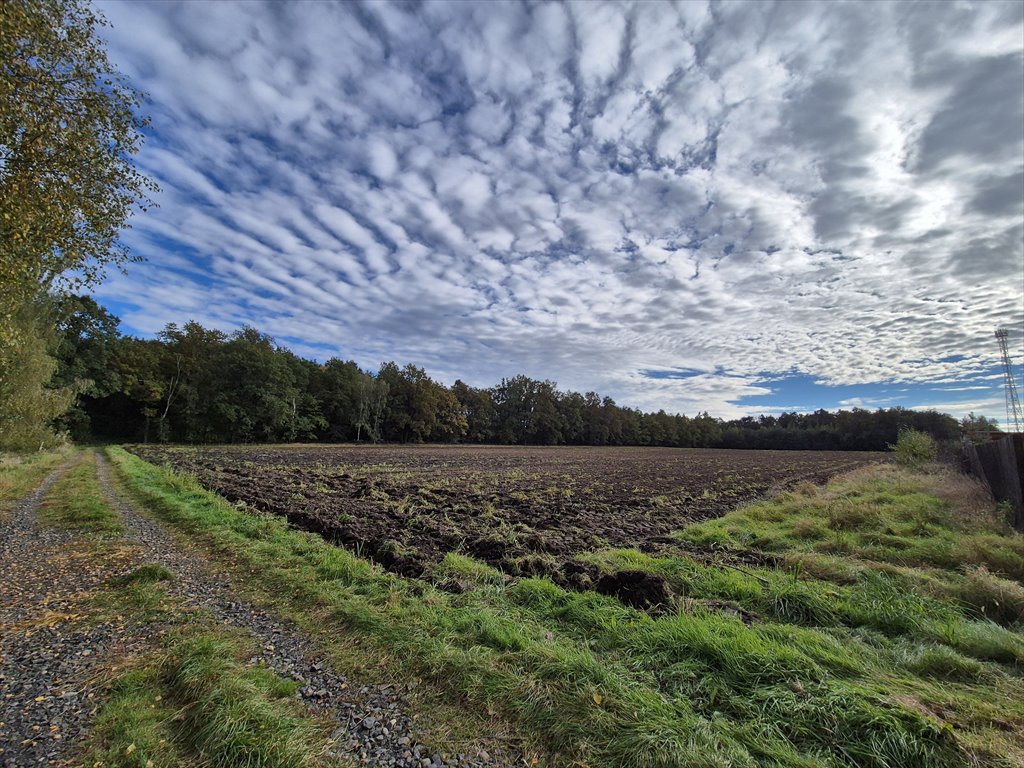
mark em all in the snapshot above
pixel 639 589
pixel 526 510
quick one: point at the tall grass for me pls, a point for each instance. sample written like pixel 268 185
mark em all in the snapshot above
pixel 886 516
pixel 232 714
pixel 195 702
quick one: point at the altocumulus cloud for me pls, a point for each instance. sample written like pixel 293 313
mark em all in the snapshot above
pixel 593 193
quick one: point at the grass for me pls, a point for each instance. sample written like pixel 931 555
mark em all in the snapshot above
pixel 189 697
pixel 466 571
pixel 934 533
pixel 76 502
pixel 885 514
pixel 875 667
pixel 21 473
pixel 233 714
pixel 195 701
pixel 890 603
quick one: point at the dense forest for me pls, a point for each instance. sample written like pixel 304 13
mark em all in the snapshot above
pixel 197 385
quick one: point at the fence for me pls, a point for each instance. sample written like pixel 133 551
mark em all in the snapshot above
pixel 1000 464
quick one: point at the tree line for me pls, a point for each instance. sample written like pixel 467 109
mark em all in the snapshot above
pixel 198 385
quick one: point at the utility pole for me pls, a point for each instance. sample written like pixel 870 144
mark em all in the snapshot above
pixel 1014 417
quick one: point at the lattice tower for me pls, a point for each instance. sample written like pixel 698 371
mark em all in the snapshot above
pixel 1014 416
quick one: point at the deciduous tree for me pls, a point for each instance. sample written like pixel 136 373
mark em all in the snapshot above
pixel 68 129
pixel 26 407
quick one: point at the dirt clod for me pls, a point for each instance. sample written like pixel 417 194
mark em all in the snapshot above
pixel 640 589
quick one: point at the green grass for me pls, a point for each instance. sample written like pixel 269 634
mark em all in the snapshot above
pixel 868 670
pixel 191 698
pixel 466 571
pixel 76 502
pixel 135 727
pixel 888 515
pixel 21 473
pixel 233 714
pixel 140 592
pixel 196 702
pixel 931 532
pixel 144 575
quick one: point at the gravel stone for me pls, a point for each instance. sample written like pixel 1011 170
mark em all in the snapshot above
pixel 48 663
pixel 46 658
pixel 355 706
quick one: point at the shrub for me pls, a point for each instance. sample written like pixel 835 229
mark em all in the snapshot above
pixel 914 448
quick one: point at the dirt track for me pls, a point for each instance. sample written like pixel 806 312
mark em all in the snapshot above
pixel 49 651
pixel 54 646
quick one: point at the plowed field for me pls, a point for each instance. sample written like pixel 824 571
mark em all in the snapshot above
pixel 526 510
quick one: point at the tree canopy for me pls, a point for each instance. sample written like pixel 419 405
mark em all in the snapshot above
pixel 68 128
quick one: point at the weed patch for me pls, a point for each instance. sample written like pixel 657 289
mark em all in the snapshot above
pixel 21 473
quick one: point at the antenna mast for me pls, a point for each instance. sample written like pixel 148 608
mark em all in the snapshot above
pixel 1014 418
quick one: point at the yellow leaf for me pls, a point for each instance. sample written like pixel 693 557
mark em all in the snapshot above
pixel 131 748
pixel 598 699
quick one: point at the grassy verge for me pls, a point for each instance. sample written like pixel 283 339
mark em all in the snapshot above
pixel 936 532
pixel 884 514
pixel 758 668
pixel 20 474
pixel 183 694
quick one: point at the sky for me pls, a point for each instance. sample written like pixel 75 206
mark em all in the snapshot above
pixel 741 208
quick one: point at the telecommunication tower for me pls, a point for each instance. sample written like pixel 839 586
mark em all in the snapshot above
pixel 1014 417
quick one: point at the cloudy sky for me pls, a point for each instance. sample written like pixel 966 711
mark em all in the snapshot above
pixel 738 207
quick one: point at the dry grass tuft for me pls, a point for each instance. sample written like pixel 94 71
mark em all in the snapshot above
pixel 968 498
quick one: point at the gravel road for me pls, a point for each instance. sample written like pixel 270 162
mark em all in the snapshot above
pixel 46 659
pixel 47 656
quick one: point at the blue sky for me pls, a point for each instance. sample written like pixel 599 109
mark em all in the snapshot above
pixel 731 207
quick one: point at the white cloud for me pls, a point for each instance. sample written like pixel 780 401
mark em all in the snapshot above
pixel 600 29
pixel 382 159
pixel 585 192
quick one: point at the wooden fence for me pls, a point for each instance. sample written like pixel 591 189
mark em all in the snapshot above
pixel 1000 464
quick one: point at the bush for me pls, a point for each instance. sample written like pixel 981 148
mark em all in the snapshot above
pixel 914 448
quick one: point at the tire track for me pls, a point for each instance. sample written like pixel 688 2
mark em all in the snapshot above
pixel 372 723
pixel 47 656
